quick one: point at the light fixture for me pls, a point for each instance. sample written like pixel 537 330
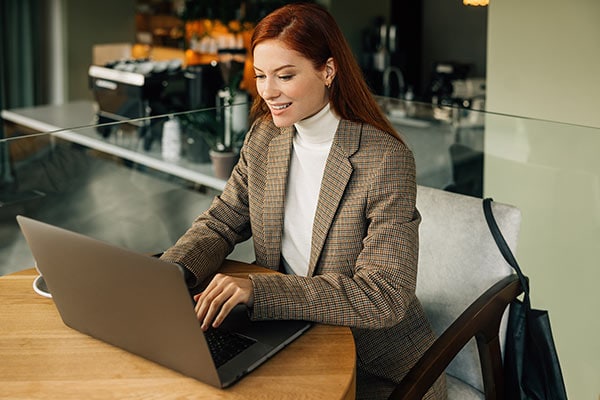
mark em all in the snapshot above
pixel 476 2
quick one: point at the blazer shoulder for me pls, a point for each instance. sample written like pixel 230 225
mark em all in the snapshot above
pixel 377 140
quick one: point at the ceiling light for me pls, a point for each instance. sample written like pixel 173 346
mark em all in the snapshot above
pixel 476 2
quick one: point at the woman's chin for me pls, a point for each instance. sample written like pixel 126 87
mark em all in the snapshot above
pixel 282 122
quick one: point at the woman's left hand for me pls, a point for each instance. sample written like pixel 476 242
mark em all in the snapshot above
pixel 220 296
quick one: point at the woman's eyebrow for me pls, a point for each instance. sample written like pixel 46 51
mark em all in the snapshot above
pixel 276 69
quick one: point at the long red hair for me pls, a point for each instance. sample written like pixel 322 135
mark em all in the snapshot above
pixel 310 30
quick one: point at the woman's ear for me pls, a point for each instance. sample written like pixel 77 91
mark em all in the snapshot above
pixel 330 71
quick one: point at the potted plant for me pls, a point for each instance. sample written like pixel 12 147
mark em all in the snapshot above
pixel 218 129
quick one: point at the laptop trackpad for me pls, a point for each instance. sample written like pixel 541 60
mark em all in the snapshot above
pixel 270 336
pixel 273 333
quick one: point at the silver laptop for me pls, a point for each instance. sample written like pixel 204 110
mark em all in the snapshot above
pixel 141 304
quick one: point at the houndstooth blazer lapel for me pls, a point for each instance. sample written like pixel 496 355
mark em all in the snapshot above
pixel 337 174
pixel 278 160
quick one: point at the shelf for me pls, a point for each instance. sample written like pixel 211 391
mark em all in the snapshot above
pixel 74 122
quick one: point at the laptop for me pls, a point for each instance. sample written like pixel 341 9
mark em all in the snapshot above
pixel 141 304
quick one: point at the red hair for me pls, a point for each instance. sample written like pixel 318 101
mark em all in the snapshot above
pixel 310 30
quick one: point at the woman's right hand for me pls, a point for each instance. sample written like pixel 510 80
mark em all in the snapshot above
pixel 221 295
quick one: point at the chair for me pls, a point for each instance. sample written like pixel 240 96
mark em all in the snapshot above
pixel 465 286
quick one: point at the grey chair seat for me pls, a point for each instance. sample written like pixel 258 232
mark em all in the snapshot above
pixel 465 285
pixel 458 389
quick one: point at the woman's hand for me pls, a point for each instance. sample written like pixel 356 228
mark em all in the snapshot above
pixel 220 296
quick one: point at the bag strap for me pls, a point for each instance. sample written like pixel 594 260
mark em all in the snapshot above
pixel 501 242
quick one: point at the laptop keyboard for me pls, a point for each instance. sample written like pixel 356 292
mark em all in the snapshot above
pixel 225 345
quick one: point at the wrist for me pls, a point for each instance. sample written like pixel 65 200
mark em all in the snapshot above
pixel 189 277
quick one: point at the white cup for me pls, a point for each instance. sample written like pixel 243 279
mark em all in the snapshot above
pixel 39 285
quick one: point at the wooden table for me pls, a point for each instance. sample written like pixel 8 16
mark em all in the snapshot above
pixel 40 357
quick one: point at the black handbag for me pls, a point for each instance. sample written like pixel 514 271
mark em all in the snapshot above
pixel 531 366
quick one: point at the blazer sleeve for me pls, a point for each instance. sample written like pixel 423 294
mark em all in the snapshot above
pixel 380 289
pixel 213 235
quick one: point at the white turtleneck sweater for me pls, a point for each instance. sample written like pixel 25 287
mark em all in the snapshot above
pixel 311 146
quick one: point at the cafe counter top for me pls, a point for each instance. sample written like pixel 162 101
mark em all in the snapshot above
pixel 75 122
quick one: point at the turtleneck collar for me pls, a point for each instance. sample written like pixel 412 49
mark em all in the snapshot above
pixel 320 128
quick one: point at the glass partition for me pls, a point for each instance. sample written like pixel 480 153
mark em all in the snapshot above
pixel 140 183
pixel 112 180
pixel 134 183
pixel 447 143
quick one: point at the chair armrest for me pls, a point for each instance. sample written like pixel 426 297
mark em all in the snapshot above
pixel 480 320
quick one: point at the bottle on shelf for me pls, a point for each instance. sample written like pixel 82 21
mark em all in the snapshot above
pixel 171 140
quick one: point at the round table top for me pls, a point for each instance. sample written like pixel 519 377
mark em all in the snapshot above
pixel 43 358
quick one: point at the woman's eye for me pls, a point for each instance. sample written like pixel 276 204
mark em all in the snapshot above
pixel 259 76
pixel 286 77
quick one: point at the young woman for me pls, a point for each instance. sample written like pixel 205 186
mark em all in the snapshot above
pixel 326 189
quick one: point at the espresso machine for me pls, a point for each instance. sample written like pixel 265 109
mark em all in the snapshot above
pixel 453 92
pixel 132 90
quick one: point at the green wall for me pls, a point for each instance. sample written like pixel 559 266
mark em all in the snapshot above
pixel 544 59
pixel 544 62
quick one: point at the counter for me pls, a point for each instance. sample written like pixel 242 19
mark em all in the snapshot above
pixel 75 122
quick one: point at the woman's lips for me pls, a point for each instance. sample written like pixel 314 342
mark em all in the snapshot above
pixel 279 107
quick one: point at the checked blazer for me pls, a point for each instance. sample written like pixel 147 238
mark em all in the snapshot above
pixel 363 263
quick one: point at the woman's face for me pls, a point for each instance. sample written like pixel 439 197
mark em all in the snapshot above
pixel 292 88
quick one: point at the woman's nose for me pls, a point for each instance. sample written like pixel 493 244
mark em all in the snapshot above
pixel 269 89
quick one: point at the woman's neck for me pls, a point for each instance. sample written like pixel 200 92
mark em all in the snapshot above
pixel 318 128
